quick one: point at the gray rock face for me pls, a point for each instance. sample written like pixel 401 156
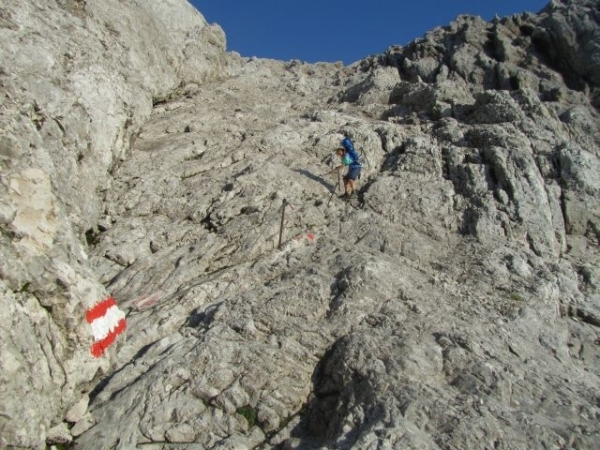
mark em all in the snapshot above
pixel 78 80
pixel 453 303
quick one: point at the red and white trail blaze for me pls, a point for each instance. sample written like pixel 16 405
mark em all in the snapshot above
pixel 107 322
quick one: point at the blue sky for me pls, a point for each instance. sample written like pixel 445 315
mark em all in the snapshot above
pixel 336 30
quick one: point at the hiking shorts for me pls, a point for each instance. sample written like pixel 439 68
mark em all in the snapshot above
pixel 353 173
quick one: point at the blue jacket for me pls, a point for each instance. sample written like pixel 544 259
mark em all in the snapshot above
pixel 349 147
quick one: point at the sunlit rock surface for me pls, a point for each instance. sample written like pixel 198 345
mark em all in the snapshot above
pixel 453 303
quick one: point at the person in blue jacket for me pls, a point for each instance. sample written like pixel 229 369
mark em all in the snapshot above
pixel 350 159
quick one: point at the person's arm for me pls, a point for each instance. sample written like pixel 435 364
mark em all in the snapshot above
pixel 335 169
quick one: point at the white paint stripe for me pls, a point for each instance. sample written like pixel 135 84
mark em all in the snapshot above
pixel 102 326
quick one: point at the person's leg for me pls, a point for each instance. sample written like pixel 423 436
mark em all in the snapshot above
pixel 352 180
pixel 356 177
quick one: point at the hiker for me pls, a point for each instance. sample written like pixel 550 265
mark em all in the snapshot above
pixel 349 158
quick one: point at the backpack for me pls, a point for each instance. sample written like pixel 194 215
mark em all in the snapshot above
pixel 349 147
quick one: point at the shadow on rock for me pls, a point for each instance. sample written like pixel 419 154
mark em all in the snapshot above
pixel 335 391
pixel 330 187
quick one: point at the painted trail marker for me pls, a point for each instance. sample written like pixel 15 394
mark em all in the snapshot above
pixel 107 322
pixel 143 303
pixel 310 236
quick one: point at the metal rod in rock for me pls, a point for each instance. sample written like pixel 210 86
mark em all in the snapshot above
pixel 339 180
pixel 332 194
pixel 283 205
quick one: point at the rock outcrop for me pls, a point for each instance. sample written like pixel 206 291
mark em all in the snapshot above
pixel 78 80
pixel 453 303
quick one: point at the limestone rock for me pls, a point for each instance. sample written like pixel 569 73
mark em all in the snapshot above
pixel 78 410
pixel 453 302
pixel 78 79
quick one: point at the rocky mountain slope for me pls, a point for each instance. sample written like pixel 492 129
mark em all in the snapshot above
pixel 453 304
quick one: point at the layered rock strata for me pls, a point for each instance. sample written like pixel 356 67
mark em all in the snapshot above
pixel 453 303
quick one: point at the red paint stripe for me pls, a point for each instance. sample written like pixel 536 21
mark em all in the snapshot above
pixel 99 309
pixel 147 304
pixel 99 347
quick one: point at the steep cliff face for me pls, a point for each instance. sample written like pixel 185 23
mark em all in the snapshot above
pixel 453 303
pixel 78 79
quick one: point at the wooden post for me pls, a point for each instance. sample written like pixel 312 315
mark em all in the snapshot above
pixel 283 205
